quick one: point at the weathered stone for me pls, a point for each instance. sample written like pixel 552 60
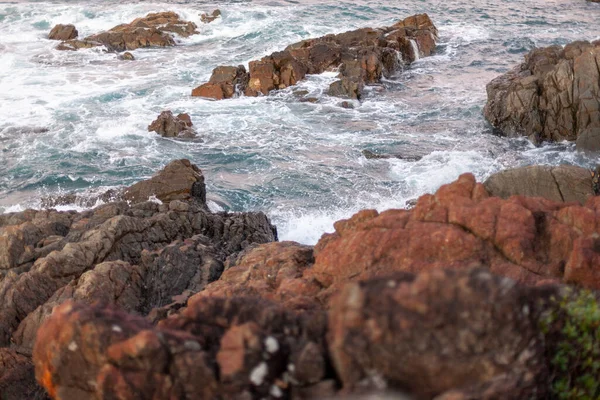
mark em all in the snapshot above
pixel 259 348
pixel 17 380
pixel 363 57
pixel 179 180
pixel 224 83
pixel 438 331
pixel 345 87
pixel 553 96
pixel 153 30
pixel 271 271
pixel 168 125
pixel 564 183
pixel 63 32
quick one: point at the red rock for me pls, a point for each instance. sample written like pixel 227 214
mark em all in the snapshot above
pixel 440 331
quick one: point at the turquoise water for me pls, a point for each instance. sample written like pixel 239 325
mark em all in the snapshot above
pixel 76 121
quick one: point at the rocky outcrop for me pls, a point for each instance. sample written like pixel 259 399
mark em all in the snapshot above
pixel 362 56
pixel 153 30
pixel 179 180
pixel 137 255
pixel 456 288
pixel 168 125
pixel 63 32
pixel 529 239
pixel 459 335
pixel 208 18
pixel 564 183
pixel 439 332
pixel 553 96
pixel 221 348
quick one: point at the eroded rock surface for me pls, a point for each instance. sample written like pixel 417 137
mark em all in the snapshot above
pixel 553 96
pixel 137 256
pixel 362 56
pixel 564 183
pixel 169 125
pixel 153 30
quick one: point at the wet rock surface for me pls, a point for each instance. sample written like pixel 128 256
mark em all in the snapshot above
pixel 208 18
pixel 362 56
pixel 153 30
pixel 169 125
pixel 553 96
pixel 63 32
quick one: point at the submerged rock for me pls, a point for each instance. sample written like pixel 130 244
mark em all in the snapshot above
pixel 127 56
pixel 553 96
pixel 208 18
pixel 153 30
pixel 362 56
pixel 63 32
pixel 168 125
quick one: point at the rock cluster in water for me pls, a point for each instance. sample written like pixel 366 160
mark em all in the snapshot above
pixel 154 29
pixel 553 96
pixel 362 56
pixel 169 125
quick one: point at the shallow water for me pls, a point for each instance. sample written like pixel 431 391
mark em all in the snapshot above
pixel 78 120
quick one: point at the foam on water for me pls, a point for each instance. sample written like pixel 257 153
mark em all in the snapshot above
pixel 295 154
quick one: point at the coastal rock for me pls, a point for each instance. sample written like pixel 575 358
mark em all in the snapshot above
pixel 153 30
pixel 564 183
pixel 440 331
pixel 272 271
pixel 179 180
pixel 529 239
pixel 17 381
pixel 362 56
pixel 46 251
pixel 208 18
pixel 168 125
pixel 63 32
pixel 553 96
pixel 259 351
pixel 224 83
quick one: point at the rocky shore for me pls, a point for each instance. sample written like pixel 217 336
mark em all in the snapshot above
pixel 171 300
pixel 482 290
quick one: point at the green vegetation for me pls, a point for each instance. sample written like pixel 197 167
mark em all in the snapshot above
pixel 573 334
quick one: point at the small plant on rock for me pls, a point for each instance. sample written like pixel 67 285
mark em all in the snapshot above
pixel 572 332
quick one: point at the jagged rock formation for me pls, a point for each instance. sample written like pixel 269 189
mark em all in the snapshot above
pixel 154 29
pixel 136 255
pixel 168 125
pixel 455 287
pixel 553 96
pixel 363 56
